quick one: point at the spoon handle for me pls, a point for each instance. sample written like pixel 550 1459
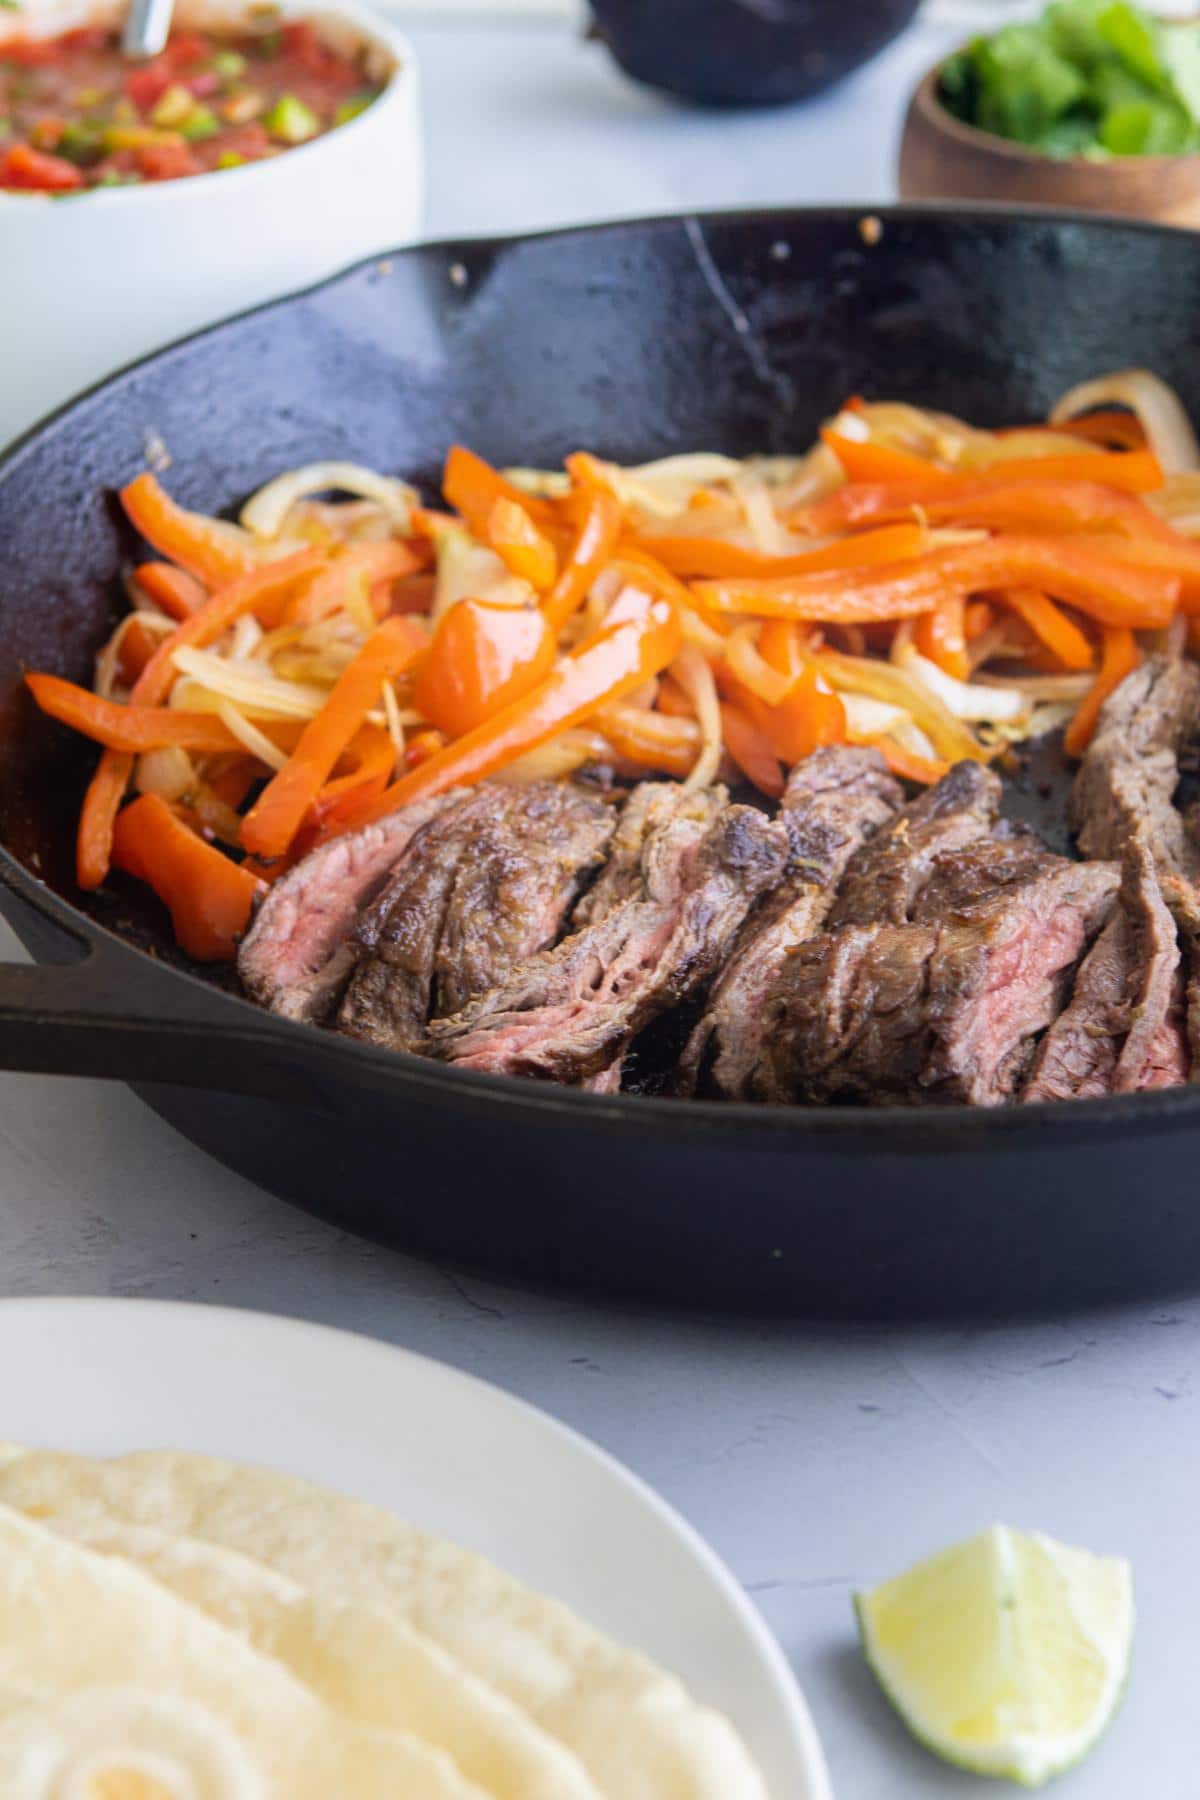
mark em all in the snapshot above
pixel 147 27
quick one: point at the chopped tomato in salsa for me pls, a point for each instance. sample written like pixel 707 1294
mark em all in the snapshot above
pixel 75 114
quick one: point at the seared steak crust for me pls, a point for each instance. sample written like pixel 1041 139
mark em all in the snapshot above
pixel 569 1014
pixel 886 875
pixel 945 1010
pixel 480 887
pixel 1130 770
pixel 834 800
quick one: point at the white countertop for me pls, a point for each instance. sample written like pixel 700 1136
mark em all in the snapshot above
pixel 814 1460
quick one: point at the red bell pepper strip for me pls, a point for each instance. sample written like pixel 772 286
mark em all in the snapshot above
pixel 373 755
pixel 904 763
pixel 376 563
pixel 639 638
pixel 473 487
pixel 260 588
pixel 712 558
pixel 524 549
pixel 1051 626
pixel 172 590
pixel 1025 505
pixel 482 658
pixel 1113 593
pixel 869 461
pixel 137 728
pixel 941 636
pixel 207 548
pixel 1172 555
pixel 209 897
pixel 595 542
pixel 810 714
pixel 1119 656
pixel 750 749
pixel 279 811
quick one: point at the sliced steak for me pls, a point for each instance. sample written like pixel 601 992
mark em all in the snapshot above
pixel 945 1010
pixel 296 958
pixel 649 805
pixel 478 889
pixel 1184 901
pixel 959 879
pixel 884 878
pixel 1130 770
pixel 1122 1029
pixel 835 800
pixel 569 1014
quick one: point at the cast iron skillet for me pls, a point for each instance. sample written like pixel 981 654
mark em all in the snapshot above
pixel 733 332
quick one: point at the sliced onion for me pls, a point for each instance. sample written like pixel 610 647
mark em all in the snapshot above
pixel 1166 424
pixel 167 772
pixel 250 737
pixel 545 484
pixel 264 513
pixel 108 661
pixel 884 681
pixel 695 677
pixel 870 718
pixel 564 754
pixel 395 721
pixel 972 701
pixel 247 685
pixel 766 531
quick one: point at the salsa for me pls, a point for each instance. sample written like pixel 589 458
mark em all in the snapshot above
pixel 75 114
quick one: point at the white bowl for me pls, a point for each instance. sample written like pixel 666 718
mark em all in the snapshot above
pixel 92 281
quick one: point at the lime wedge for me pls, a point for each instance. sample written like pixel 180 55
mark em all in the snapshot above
pixel 1006 1655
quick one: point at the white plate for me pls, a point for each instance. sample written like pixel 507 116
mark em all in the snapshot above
pixel 453 1454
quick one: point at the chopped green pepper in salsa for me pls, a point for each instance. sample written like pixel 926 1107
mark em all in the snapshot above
pixel 74 114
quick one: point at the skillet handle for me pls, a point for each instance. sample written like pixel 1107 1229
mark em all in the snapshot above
pixel 93 1012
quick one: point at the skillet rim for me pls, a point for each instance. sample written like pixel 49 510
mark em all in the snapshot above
pixel 905 1129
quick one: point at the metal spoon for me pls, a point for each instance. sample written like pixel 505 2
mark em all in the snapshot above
pixel 147 27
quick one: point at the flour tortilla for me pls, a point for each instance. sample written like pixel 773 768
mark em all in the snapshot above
pixel 362 1662
pixel 98 1660
pixel 634 1728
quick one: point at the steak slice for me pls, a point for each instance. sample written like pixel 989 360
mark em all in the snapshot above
pixel 649 805
pixel 884 878
pixel 944 1010
pixel 1184 902
pixel 296 958
pixel 833 802
pixel 1122 1029
pixel 479 888
pixel 960 879
pixel 1130 770
pixel 569 1014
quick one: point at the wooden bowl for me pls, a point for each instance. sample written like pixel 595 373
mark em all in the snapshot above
pixel 943 159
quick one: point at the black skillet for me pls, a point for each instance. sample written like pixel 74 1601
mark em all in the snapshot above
pixel 732 332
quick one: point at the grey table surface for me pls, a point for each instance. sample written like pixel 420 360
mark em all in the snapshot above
pixel 814 1460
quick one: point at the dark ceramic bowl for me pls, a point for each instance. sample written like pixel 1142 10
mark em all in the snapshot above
pixel 746 52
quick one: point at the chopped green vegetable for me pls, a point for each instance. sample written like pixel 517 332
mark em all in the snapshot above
pixel 200 123
pixel 230 65
pixel 291 121
pixel 357 103
pixel 1089 78
pixel 81 142
pixel 229 159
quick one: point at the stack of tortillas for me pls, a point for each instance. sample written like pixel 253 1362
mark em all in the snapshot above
pixel 180 1628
